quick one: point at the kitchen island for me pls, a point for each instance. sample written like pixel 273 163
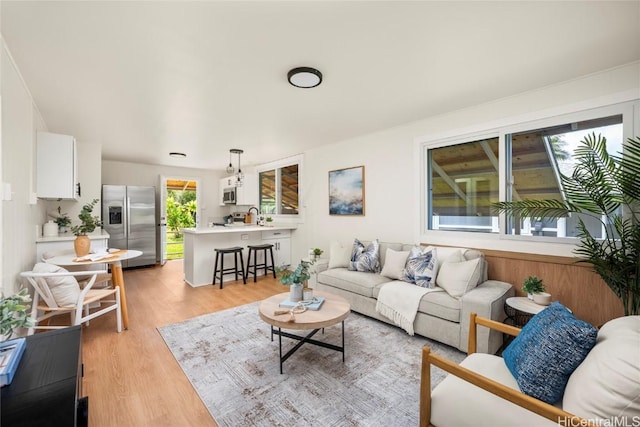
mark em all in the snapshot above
pixel 199 245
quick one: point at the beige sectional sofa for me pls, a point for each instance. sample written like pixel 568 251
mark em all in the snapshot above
pixel 440 316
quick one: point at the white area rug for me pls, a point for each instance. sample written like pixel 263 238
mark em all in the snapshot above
pixel 232 363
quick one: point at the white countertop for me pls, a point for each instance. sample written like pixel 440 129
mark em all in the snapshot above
pixel 69 236
pixel 237 229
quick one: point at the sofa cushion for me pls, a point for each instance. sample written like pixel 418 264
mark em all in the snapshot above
pixel 383 250
pixel 547 350
pixel 421 267
pixel 455 402
pixel 339 256
pixel 394 263
pixel 458 276
pixel 353 281
pixel 445 252
pixel 606 385
pixel 65 289
pixel 365 258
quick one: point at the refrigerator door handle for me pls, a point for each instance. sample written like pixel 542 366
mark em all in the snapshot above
pixel 127 224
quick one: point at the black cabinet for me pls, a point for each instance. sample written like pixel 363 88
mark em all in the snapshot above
pixel 47 387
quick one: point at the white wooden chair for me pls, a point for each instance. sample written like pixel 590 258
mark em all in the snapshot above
pixel 59 293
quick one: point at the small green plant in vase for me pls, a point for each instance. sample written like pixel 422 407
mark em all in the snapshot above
pixel 269 221
pixel 296 278
pixel 88 223
pixel 532 285
pixel 317 252
pixel 63 221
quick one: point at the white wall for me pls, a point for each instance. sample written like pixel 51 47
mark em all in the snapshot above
pixel 123 173
pixel 392 169
pixel 20 219
pixel 23 216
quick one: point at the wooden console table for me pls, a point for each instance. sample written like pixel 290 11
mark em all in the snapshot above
pixel 47 387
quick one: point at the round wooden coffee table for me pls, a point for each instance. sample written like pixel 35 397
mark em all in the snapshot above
pixel 333 311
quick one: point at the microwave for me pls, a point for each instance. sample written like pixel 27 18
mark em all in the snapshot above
pixel 229 196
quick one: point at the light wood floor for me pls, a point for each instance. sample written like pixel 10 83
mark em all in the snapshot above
pixel 131 378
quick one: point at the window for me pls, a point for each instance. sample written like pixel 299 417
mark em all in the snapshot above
pixel 464 176
pixel 279 189
pixel 538 157
pixel 464 182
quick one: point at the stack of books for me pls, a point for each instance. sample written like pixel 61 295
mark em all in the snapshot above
pixel 10 354
pixel 313 304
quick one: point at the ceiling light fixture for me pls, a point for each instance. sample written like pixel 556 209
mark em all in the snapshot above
pixel 176 154
pixel 304 77
pixel 239 174
pixel 230 168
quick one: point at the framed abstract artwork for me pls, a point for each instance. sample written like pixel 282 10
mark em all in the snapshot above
pixel 346 191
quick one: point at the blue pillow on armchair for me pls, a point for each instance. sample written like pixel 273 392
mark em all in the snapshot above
pixel 547 350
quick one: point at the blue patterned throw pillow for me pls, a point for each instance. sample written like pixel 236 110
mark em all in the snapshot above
pixel 365 258
pixel 421 267
pixel 547 350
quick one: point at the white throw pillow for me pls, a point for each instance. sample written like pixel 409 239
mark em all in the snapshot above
pixel 458 276
pixel 339 256
pixel 65 289
pixel 394 263
pixel 606 385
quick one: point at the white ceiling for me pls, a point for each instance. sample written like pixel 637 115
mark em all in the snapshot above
pixel 146 78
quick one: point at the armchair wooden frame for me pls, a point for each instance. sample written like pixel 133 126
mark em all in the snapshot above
pixel 532 404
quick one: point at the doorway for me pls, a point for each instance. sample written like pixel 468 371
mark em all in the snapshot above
pixel 178 210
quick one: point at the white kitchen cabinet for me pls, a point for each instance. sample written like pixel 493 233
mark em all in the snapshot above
pixel 228 182
pixel 247 193
pixel 281 241
pixel 56 167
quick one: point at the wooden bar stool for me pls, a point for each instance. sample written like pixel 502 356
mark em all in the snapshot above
pixel 220 272
pixel 253 249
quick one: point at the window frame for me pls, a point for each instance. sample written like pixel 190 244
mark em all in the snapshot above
pixel 630 111
pixel 277 165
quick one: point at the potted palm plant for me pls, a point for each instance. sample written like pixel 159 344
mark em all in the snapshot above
pixel 606 188
pixel 88 223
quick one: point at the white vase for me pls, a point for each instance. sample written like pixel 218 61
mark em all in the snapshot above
pixel 307 294
pixel 542 298
pixel 295 293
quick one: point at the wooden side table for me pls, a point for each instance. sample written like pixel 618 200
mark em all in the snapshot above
pixel 520 310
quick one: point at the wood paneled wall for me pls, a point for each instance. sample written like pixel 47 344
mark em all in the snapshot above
pixel 574 284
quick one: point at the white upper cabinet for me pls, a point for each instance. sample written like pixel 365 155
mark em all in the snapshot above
pixel 247 193
pixel 57 167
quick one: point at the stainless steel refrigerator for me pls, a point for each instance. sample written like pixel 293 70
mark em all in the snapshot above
pixel 129 216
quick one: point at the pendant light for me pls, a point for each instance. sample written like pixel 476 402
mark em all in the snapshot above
pixel 230 167
pixel 239 174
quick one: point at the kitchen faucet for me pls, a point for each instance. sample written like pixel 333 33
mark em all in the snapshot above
pixel 257 212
